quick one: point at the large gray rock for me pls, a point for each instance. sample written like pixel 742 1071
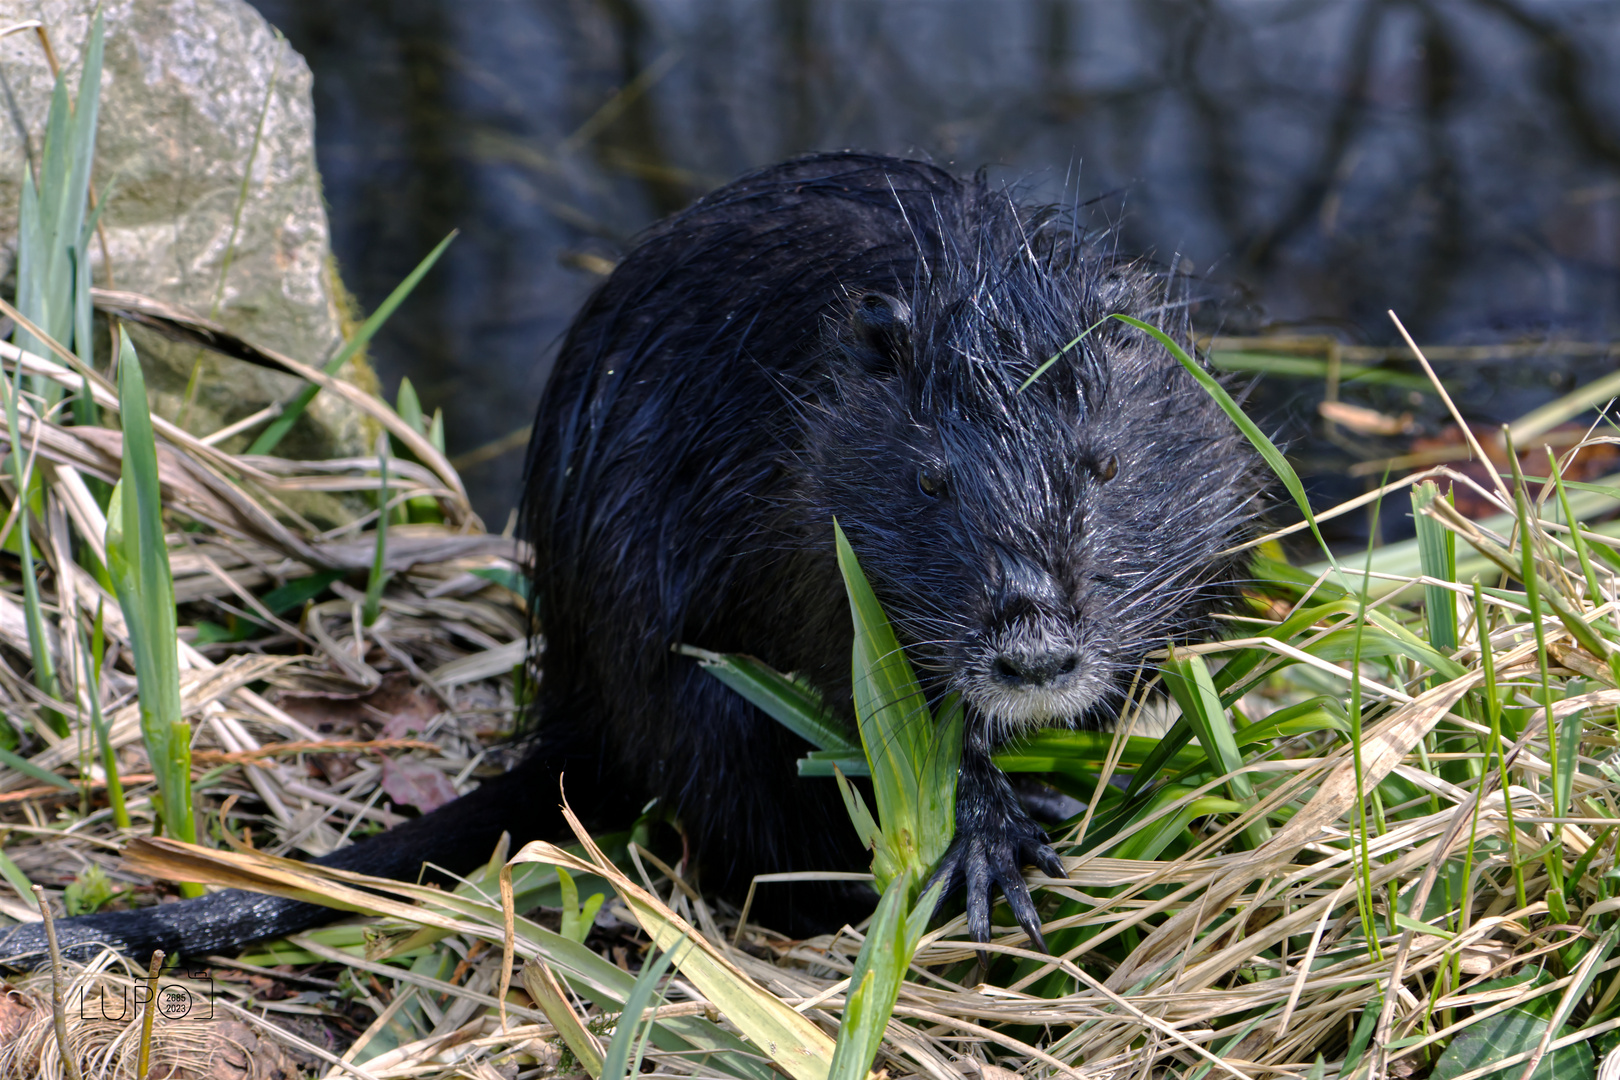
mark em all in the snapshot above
pixel 183 90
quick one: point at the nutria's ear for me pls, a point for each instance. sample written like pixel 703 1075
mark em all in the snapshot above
pixel 882 325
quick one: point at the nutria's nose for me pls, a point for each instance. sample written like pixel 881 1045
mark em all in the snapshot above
pixel 1035 669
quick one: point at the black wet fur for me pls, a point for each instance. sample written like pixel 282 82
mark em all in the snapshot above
pixel 842 335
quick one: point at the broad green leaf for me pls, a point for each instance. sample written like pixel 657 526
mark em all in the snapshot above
pixel 1513 1031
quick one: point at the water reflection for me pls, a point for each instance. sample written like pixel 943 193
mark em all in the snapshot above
pixel 1322 160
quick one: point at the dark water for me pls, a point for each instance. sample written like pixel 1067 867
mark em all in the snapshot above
pixel 1317 161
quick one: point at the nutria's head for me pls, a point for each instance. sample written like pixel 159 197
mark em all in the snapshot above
pixel 1030 544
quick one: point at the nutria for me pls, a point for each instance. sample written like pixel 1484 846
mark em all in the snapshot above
pixel 841 336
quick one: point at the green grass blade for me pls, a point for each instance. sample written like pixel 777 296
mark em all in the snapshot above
pixel 98 721
pixel 50 286
pixel 272 435
pixel 880 968
pixel 505 577
pixel 1055 357
pixel 84 404
pixel 824 763
pixel 1266 448
pixel 936 780
pixel 1150 842
pixel 791 702
pixel 1437 556
pixel 1190 684
pixel 435 431
pixel 1379 642
pixel 1362 1036
pixel 616 1060
pixel 379 558
pixel 1170 745
pixel 1582 552
pixel 895 729
pixel 26 483
pixel 1052 749
pixel 43 775
pixel 299 591
pixel 51 264
pixel 1491 699
pixel 589 973
pixel 75 197
pixel 409 406
pixel 1572 730
pixel 30 261
pixel 1533 597
pixel 14 876
pixel 866 826
pixel 138 560
pixel 1310 367
pixel 577 919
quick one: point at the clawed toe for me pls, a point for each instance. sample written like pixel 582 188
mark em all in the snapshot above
pixel 980 863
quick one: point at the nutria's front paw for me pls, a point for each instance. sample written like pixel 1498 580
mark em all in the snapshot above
pixel 993 854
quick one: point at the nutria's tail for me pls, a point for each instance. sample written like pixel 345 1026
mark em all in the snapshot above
pixel 458 836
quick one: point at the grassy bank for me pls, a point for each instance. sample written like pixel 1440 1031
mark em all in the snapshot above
pixel 1380 839
pixel 1371 832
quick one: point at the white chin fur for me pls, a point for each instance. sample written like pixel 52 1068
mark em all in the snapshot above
pixel 1012 710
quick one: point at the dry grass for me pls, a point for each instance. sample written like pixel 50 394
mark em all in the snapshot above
pixel 1467 834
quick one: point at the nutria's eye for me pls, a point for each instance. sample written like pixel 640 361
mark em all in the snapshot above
pixel 1106 471
pixel 931 482
pixel 883 324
